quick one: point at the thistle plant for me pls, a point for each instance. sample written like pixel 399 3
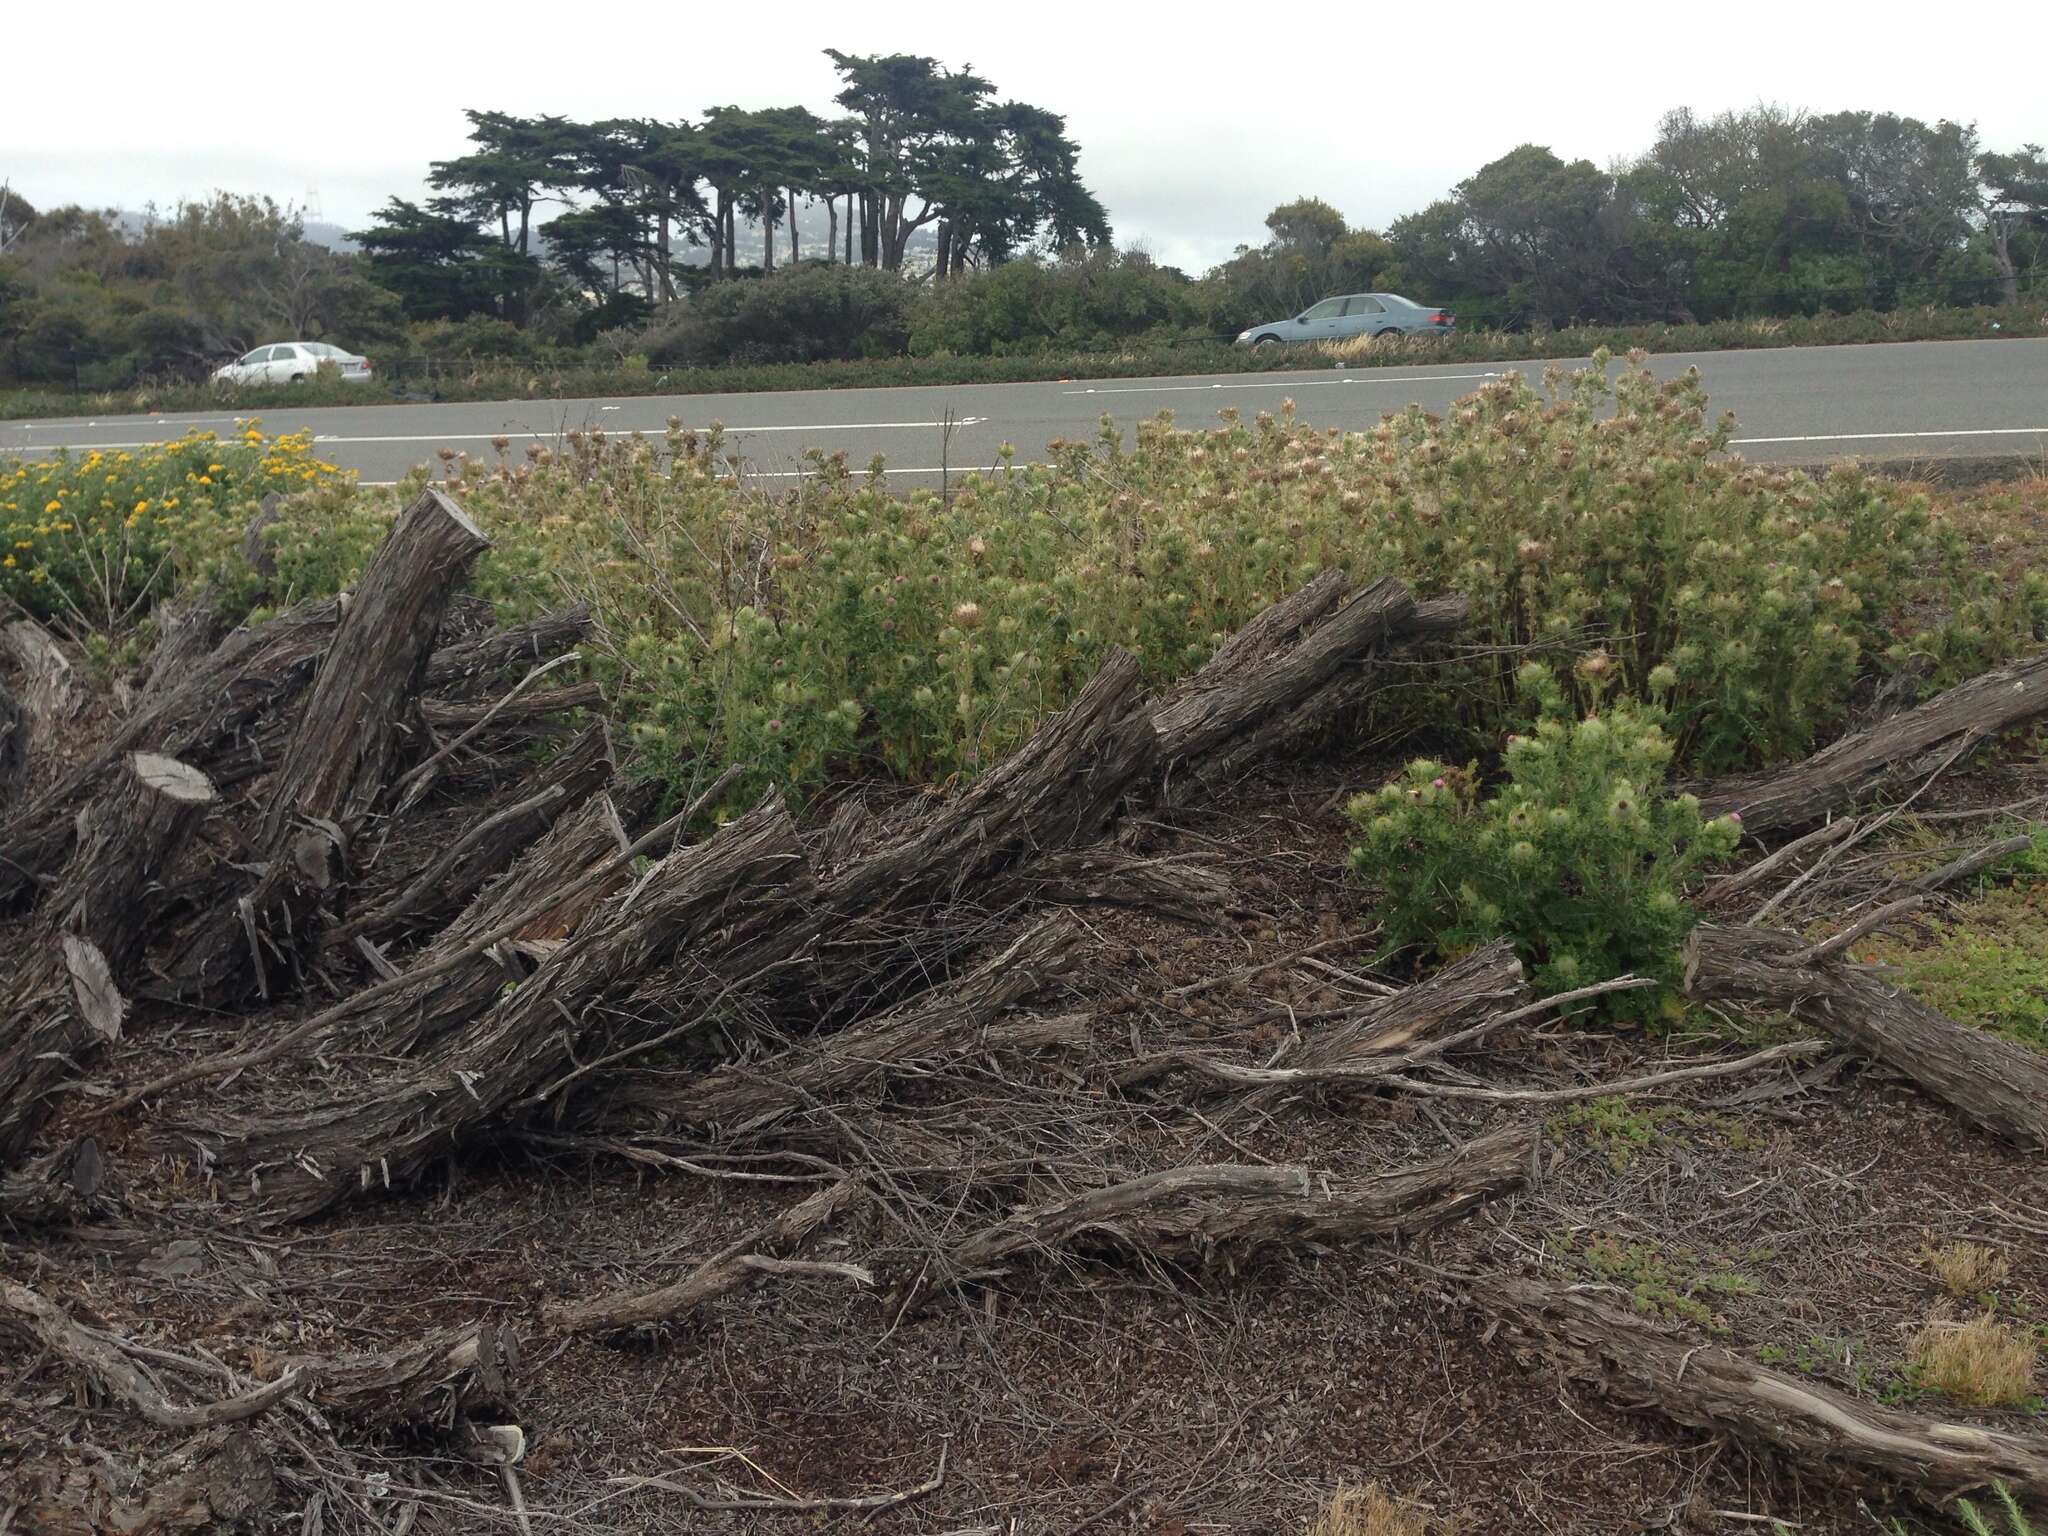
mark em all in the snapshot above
pixel 1580 858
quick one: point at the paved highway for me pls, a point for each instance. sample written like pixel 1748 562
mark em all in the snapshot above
pixel 1899 400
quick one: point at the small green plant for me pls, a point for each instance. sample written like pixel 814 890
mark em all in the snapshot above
pixel 1661 1282
pixel 1580 858
pixel 1976 1523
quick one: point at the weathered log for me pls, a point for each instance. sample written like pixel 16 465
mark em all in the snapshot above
pixel 1903 748
pixel 89 937
pixel 1192 887
pixel 422 1382
pixel 743 1099
pixel 254 674
pixel 1992 1082
pixel 434 893
pixel 723 907
pixel 335 765
pixel 221 1480
pixel 483 662
pixel 54 1187
pixel 13 749
pixel 735 1267
pixel 446 991
pixel 1304 660
pixel 429 1381
pixel 1188 1214
pixel 1467 999
pixel 1646 1365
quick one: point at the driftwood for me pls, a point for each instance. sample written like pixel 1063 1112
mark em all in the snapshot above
pixel 1300 663
pixel 54 1187
pixel 1907 746
pixel 1644 1365
pixel 1188 1214
pixel 88 940
pixel 335 766
pixel 1992 1082
pixel 742 1099
pixel 735 1267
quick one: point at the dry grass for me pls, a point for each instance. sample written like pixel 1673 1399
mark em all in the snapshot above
pixel 1982 1361
pixel 1368 1511
pixel 1966 1269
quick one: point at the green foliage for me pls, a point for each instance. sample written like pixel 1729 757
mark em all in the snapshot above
pixel 801 315
pixel 1677 1283
pixel 1580 859
pixel 1986 964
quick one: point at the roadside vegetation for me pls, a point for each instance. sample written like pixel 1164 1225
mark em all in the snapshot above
pixel 1522 809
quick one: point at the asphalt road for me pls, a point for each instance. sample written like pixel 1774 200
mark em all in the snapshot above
pixel 1945 399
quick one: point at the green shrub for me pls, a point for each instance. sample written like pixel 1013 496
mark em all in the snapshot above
pixel 1580 858
pixel 801 315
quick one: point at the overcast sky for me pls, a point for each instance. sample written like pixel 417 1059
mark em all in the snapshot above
pixel 1193 119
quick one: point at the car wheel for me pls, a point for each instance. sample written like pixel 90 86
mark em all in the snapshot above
pixel 1267 341
pixel 1383 335
pixel 298 378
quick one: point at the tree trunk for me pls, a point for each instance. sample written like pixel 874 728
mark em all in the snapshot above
pixel 433 893
pixel 335 765
pixel 1906 747
pixel 1646 1365
pixel 720 908
pixel 849 229
pixel 489 659
pixel 743 1101
pixel 254 674
pixel 831 228
pixel 795 254
pixel 91 934
pixel 767 235
pixel 943 267
pixel 732 253
pixel 1293 670
pixel 1995 1084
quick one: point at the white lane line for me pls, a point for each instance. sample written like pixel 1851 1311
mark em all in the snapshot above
pixel 1353 378
pixel 521 434
pixel 1865 437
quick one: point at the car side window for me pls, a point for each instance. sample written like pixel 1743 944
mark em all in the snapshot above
pixel 284 354
pixel 1365 304
pixel 256 356
pixel 1329 309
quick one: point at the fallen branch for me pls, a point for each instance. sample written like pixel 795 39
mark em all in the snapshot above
pixel 1904 747
pixel 1644 1365
pixel 1992 1082
pixel 732 1268
pixel 870 1503
pixel 1190 1213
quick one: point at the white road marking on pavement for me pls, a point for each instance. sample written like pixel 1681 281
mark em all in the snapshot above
pixel 522 434
pixel 1862 437
pixel 1358 378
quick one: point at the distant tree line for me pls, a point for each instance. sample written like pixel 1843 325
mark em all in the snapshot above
pixel 958 222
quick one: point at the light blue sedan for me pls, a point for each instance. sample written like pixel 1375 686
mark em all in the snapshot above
pixel 1354 314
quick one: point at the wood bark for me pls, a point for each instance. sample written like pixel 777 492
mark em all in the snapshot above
pixel 433 894
pixel 743 1099
pixel 445 997
pixel 255 674
pixel 499 656
pixel 721 908
pixel 221 1480
pixel 88 940
pixel 13 750
pixel 1379 1039
pixel 1903 748
pixel 733 1268
pixel 1646 1366
pixel 1188 1214
pixel 336 762
pixel 1991 1082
